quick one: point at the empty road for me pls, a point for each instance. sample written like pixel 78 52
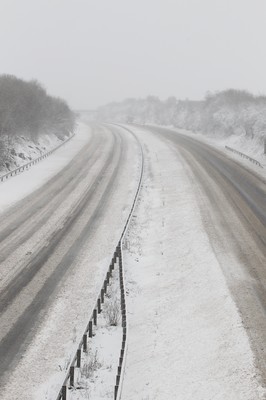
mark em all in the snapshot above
pixel 50 244
pixel 232 201
pixel 55 244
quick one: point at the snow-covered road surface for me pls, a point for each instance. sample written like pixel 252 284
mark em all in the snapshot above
pixel 195 266
pixel 232 201
pixel 196 276
pixel 55 246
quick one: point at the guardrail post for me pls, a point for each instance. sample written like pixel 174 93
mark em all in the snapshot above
pixel 64 392
pixel 99 306
pixel 90 329
pixel 78 358
pixel 95 316
pixel 122 350
pixel 85 343
pixel 102 295
pixel 71 376
pixel 117 380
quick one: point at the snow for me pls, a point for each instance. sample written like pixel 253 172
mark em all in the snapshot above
pixel 19 186
pixel 22 149
pixel 251 147
pixel 105 349
pixel 186 338
pixel 39 374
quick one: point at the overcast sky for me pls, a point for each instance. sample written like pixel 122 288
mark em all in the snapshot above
pixel 91 52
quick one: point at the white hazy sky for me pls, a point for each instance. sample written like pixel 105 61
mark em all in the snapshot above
pixel 91 52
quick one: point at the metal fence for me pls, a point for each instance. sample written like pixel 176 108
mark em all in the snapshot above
pixel 244 156
pixel 117 259
pixel 30 163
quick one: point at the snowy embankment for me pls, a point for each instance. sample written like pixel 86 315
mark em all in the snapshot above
pixel 19 186
pixel 22 150
pixel 186 338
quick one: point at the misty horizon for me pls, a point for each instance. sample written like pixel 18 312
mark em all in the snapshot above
pixel 93 53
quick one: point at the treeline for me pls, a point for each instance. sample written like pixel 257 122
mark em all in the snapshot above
pixel 26 109
pixel 229 112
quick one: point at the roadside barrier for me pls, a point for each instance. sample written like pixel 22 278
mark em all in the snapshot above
pixel 123 351
pixel 245 156
pixel 117 260
pixel 69 381
pixel 35 161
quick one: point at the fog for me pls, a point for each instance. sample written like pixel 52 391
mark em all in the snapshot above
pixel 93 52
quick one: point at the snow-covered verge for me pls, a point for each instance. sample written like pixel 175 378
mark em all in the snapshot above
pixel 186 338
pixel 21 185
pixel 22 150
pixel 251 147
pixel 96 377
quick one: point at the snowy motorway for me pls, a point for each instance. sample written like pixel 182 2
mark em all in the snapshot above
pixel 196 273
pixel 56 242
pixel 232 200
pixel 54 248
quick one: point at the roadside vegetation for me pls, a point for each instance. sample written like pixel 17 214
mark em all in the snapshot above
pixel 226 113
pixel 27 111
